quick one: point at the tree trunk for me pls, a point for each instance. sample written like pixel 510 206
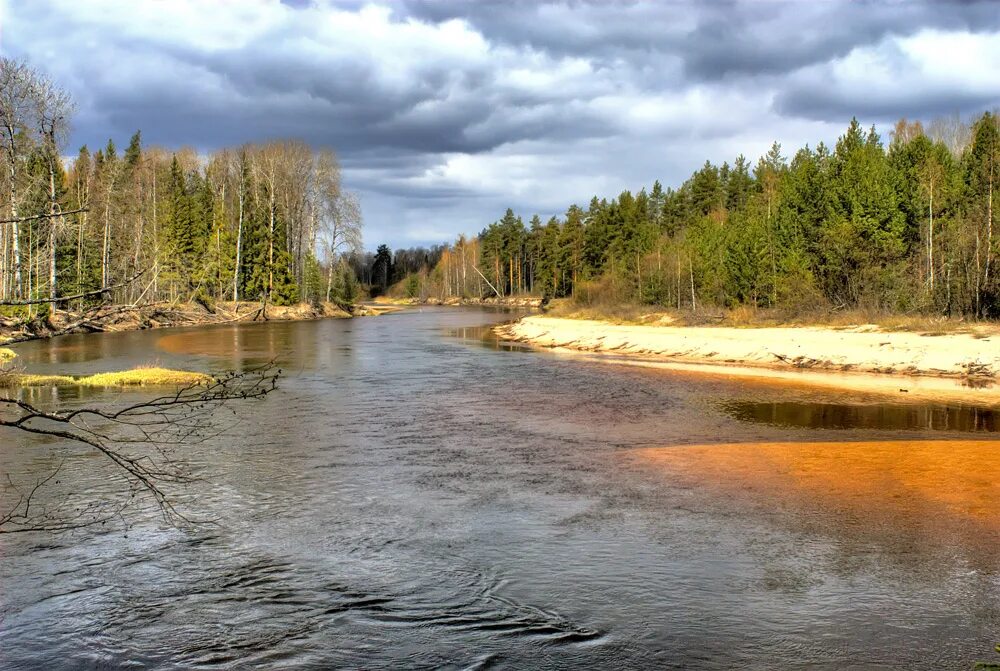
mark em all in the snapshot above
pixel 15 233
pixel 270 247
pixel 930 238
pixel 53 206
pixel 989 226
pixel 694 304
pixel 156 243
pixel 329 276
pixel 106 243
pixel 977 283
pixel 239 243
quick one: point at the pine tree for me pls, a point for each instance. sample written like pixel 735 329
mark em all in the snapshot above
pixel 864 236
pixel 133 154
pixel 656 201
pixel 739 184
pixel 182 238
pixel 706 189
pixel 382 267
pixel 549 262
pixel 983 196
pixel 284 289
pixel 571 245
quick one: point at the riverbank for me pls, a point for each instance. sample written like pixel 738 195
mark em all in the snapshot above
pixel 114 318
pixel 375 309
pixel 960 365
pixel 495 301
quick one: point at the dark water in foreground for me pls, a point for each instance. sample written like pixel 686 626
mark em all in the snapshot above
pixel 413 497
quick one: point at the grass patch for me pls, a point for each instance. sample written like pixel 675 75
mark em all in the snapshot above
pixel 137 377
pixel 989 666
pixel 6 354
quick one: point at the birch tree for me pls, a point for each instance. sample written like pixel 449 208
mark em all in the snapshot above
pixel 17 94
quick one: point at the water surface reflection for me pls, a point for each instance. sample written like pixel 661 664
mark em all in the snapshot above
pixel 883 416
pixel 412 498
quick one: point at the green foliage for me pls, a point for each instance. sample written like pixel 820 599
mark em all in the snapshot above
pixel 284 289
pixel 412 286
pixel 989 666
pixel 133 154
pixel 382 267
pixel 202 298
pixel 982 174
pixel 706 190
pixel 244 223
pixel 312 287
pixel 181 231
pixel 349 284
pixel 904 227
pixel 343 286
pixel 899 229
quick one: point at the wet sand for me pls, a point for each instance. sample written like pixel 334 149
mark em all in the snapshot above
pixel 954 366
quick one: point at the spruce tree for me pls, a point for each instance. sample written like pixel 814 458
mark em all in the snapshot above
pixel 182 241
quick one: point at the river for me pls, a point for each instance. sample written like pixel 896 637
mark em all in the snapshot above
pixel 417 495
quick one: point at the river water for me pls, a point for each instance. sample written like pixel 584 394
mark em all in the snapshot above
pixel 416 495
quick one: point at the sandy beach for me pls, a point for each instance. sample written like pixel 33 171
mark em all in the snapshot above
pixel 958 366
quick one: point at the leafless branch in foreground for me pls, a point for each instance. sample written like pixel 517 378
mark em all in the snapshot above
pixel 136 440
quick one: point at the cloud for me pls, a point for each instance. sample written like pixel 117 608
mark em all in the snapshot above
pixel 445 113
pixel 927 74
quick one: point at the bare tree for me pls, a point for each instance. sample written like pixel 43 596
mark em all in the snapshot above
pixel 52 109
pixel 952 131
pixel 238 165
pixel 137 441
pixel 272 202
pixel 17 89
pixel 339 221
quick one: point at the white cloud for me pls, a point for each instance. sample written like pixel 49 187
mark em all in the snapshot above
pixel 446 113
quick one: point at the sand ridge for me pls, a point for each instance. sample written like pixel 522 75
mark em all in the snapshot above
pixel 963 365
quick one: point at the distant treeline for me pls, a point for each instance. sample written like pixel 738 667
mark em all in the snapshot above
pixel 257 222
pixel 903 227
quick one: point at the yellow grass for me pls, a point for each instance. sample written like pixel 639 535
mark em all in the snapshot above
pixel 6 354
pixel 751 317
pixel 137 377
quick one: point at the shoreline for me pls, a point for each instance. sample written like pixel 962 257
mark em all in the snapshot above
pixel 507 301
pixel 904 365
pixel 119 318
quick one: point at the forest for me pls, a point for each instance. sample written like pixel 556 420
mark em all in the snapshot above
pixel 259 222
pixel 898 226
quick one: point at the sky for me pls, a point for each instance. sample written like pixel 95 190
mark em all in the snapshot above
pixel 443 114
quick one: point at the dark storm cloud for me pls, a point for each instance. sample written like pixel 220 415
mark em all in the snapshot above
pixel 821 103
pixel 712 39
pixel 761 38
pixel 276 92
pixel 441 109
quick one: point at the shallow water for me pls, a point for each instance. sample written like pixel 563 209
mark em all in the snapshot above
pixel 818 415
pixel 417 495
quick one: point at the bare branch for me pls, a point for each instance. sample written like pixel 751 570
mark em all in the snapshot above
pixel 85 294
pixel 135 439
pixel 52 215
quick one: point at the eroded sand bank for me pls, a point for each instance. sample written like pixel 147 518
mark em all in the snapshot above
pixel 953 365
